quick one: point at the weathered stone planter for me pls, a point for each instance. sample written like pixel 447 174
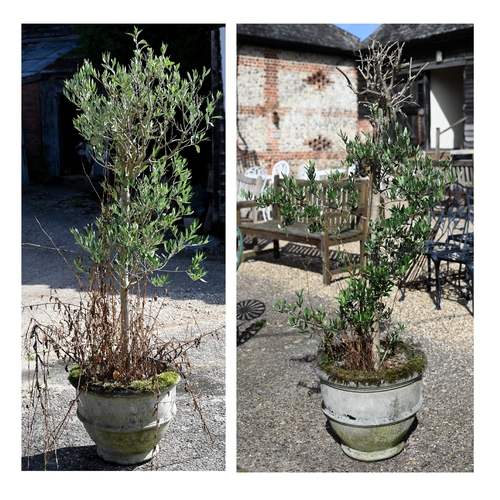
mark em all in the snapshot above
pixel 126 426
pixel 372 417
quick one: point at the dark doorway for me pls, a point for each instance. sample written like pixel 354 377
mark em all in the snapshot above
pixel 73 158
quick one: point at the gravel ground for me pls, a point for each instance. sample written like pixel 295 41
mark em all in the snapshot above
pixel 191 306
pixel 280 425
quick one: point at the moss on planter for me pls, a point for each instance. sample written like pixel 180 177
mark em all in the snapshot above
pixel 415 366
pixel 163 381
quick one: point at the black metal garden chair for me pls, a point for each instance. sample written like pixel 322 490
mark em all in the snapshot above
pixel 452 240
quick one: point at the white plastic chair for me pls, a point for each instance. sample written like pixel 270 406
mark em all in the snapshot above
pixel 302 172
pixel 254 172
pixel 281 168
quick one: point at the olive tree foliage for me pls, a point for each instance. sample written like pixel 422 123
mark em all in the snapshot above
pixel 137 119
pixel 403 186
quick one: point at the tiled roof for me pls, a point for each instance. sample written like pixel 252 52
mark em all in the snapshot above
pixel 41 59
pixel 410 33
pixel 314 37
pixel 45 49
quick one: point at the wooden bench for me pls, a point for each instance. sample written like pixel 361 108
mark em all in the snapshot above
pixel 352 228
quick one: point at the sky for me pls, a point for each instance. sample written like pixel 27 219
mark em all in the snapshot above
pixel 362 31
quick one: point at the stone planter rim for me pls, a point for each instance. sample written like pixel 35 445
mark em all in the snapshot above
pixel 122 392
pixel 378 384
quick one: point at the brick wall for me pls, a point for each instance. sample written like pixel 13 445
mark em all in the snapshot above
pixel 291 106
pixel 31 124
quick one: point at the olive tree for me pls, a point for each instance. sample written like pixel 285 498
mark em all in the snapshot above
pixel 137 119
pixel 403 186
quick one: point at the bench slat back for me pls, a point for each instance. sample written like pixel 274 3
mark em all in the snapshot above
pixel 336 211
pixel 464 169
pixel 248 184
